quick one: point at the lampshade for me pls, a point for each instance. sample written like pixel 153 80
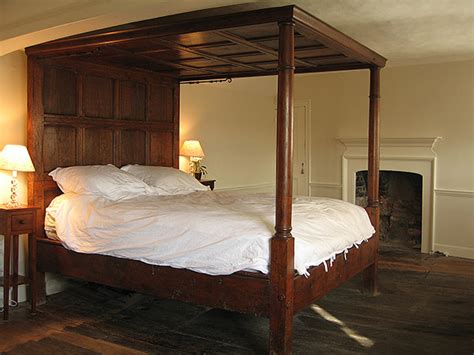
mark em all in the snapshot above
pixel 16 157
pixel 192 148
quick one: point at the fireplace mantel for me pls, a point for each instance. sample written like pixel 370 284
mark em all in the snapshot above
pixel 414 155
pixel 425 142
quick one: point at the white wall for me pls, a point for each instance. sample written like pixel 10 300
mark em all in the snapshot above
pixel 417 101
pixel 235 123
pixel 236 129
pixel 13 131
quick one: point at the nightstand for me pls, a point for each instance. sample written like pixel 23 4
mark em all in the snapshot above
pixel 13 222
pixel 209 183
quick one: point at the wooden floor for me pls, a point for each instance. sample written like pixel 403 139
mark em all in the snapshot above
pixel 425 306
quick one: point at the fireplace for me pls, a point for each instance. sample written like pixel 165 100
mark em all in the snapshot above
pixel 400 206
pixel 403 155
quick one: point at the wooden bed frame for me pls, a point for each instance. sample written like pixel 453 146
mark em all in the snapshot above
pixel 112 96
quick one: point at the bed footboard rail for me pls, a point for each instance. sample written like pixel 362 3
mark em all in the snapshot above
pixel 320 282
pixel 237 292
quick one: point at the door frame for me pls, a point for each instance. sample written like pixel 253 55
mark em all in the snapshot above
pixel 306 103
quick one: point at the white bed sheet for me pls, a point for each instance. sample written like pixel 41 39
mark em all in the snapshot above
pixel 216 233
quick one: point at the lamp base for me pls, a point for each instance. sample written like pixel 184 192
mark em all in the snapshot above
pixel 14 204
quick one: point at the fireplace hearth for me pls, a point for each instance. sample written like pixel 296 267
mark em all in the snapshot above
pixel 410 155
pixel 400 206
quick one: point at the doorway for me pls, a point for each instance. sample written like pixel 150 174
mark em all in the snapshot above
pixel 301 148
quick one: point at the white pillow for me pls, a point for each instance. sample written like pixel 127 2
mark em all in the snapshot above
pixel 167 181
pixel 102 180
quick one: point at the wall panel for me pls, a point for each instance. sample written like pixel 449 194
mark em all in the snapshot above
pixel 59 147
pixel 132 100
pixel 161 148
pixel 59 91
pixel 161 98
pixel 98 146
pixel 82 114
pixel 136 139
pixel 98 96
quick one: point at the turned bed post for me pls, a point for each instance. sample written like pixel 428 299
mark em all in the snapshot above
pixel 282 243
pixel 370 274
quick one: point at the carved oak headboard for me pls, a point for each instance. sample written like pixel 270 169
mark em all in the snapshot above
pixel 84 114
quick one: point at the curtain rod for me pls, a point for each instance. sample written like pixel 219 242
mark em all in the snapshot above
pixel 192 82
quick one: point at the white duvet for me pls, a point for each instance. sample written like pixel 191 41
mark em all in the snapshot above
pixel 216 233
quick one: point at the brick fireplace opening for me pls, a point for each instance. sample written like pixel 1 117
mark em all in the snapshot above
pixel 401 196
pixel 403 155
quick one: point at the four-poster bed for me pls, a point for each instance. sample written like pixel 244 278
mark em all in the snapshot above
pixel 118 89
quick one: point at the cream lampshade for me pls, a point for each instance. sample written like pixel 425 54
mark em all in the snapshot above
pixel 15 158
pixel 192 149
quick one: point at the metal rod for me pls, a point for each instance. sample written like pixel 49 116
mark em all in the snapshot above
pixel 193 82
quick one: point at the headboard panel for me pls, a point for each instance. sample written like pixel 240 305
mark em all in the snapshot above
pixel 83 114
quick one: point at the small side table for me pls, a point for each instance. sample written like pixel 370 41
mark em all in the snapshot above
pixel 13 222
pixel 209 183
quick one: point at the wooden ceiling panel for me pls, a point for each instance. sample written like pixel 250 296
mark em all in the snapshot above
pixel 138 45
pixel 216 45
pixel 172 55
pixel 272 43
pixel 230 49
pixel 261 30
pixel 301 41
pixel 137 62
pixel 194 39
pixel 201 62
pixel 269 65
pixel 256 57
pixel 337 59
pixel 311 51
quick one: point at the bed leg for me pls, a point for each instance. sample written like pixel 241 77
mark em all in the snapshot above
pixel 373 167
pixel 370 280
pixel 38 291
pixel 370 273
pixel 282 295
pixel 281 334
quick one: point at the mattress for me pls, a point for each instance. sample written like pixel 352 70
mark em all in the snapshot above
pixel 215 233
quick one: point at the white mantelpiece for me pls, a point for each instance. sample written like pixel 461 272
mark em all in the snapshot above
pixel 413 155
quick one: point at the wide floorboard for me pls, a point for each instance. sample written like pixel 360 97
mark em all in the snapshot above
pixel 425 306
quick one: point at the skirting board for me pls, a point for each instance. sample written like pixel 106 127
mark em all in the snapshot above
pixel 325 189
pixel 453 220
pixel 321 189
pixel 452 250
pixel 265 187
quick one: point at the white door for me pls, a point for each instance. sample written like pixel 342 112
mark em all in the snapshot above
pixel 301 150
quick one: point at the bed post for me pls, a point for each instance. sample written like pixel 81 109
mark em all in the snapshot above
pixel 282 243
pixel 370 274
